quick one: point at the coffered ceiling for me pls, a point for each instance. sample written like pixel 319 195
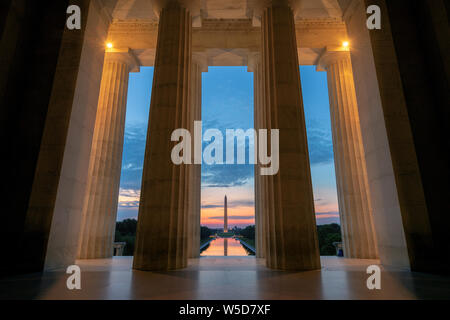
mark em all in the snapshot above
pixel 223 9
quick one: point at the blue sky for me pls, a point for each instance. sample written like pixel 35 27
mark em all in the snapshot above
pixel 227 103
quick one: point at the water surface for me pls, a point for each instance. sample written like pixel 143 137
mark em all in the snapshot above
pixel 225 247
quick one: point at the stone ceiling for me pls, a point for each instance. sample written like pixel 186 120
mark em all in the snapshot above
pixel 223 9
pixel 229 30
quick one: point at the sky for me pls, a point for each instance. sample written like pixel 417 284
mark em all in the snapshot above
pixel 227 103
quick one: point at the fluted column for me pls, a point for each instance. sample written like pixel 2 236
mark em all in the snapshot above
pixel 195 170
pixel 100 205
pixel 291 236
pixel 358 234
pixel 254 65
pixel 161 242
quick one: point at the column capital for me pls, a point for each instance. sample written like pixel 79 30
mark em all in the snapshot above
pixel 330 56
pixel 194 7
pixel 201 60
pixel 124 55
pixel 252 61
pixel 262 4
pixel 258 7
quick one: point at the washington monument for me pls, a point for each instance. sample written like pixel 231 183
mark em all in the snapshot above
pixel 225 217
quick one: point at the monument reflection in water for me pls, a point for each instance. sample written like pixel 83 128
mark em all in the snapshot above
pixel 225 247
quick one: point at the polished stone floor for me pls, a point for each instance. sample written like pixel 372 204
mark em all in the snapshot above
pixel 229 278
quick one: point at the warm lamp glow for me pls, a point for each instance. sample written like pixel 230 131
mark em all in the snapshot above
pixel 345 44
pixel 109 45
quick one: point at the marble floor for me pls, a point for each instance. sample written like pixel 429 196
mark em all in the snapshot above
pixel 228 278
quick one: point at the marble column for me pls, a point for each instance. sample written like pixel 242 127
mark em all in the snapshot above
pixel 161 242
pixel 100 204
pixel 254 65
pixel 291 236
pixel 195 170
pixel 358 233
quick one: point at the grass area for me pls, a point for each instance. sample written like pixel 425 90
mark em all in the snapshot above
pixel 205 240
pixel 250 242
pixel 225 235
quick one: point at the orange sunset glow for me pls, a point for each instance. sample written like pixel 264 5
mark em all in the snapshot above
pixel 241 211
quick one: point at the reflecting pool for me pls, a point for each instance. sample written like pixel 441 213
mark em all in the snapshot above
pixel 225 247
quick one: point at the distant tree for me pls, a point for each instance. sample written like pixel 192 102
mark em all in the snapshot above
pixel 328 234
pixel 127 227
pixel 236 230
pixel 248 232
pixel 205 232
pixel 126 232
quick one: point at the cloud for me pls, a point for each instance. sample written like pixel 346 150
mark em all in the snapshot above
pixel 215 176
pixel 225 176
pixel 133 160
pixel 330 214
pixel 126 213
pixel 232 217
pixel 327 217
pixel 129 198
pixel 320 142
pixel 234 204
